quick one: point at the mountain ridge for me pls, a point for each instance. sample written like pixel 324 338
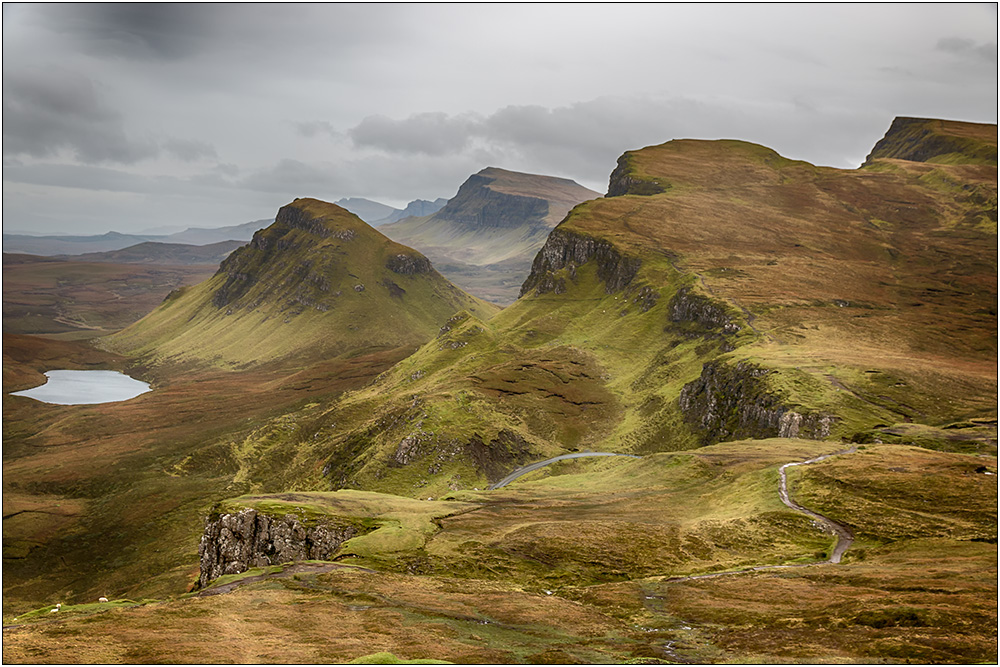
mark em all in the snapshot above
pixel 317 265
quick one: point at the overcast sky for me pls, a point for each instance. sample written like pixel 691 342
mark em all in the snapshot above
pixel 129 117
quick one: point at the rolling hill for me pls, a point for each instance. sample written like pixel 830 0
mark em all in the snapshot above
pixel 720 292
pixel 318 282
pixel 722 313
pixel 483 239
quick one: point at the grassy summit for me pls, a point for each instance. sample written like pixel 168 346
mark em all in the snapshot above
pixel 318 282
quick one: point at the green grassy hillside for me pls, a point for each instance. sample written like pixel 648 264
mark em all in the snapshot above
pixel 724 312
pixel 754 297
pixel 319 282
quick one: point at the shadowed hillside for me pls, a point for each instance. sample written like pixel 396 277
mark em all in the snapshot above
pixel 485 236
pixel 318 282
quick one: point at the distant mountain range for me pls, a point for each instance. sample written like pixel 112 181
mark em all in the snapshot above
pixel 78 245
pixel 375 213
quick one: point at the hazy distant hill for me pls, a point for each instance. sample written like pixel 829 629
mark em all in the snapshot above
pixel 204 236
pixel 318 282
pixel 153 252
pixel 366 209
pixel 484 238
pixel 416 208
pixel 78 245
pixel 71 245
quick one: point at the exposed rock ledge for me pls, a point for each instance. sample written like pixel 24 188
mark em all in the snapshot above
pixel 623 181
pixel 733 402
pixel 569 249
pixel 234 543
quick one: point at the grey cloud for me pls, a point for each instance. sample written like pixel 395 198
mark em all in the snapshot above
pixel 295 178
pixel 311 128
pixel 969 49
pixel 133 30
pixel 189 150
pixel 433 133
pixel 52 109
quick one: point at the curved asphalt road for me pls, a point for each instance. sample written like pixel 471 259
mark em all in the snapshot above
pixel 844 536
pixel 535 466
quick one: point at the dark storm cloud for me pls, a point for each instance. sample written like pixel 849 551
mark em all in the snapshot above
pixel 47 110
pixel 133 30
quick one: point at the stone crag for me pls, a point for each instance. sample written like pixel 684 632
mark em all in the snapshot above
pixel 477 206
pixel 623 181
pixel 234 543
pixel 568 249
pixel 734 402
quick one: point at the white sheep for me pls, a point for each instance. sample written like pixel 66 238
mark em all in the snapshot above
pixel 102 599
pixel 58 604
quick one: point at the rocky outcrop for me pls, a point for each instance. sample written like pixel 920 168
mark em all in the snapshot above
pixel 569 249
pixel 923 139
pixel 689 306
pixel 734 402
pixel 623 181
pixel 234 543
pixel 498 456
pixel 408 264
pixel 480 207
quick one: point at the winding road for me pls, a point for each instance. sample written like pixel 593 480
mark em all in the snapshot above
pixel 539 464
pixel 844 535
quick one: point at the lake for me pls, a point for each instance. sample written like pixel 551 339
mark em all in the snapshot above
pixel 85 388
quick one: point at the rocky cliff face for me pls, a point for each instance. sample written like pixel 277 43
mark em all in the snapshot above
pixel 688 306
pixel 734 402
pixel 480 207
pixel 623 181
pixel 234 543
pixel 569 249
pixel 923 139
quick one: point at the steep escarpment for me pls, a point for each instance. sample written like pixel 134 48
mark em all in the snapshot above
pixel 733 402
pixel 485 237
pixel 236 542
pixel 625 180
pixel 568 250
pixel 318 282
pixel 934 140
pixel 479 206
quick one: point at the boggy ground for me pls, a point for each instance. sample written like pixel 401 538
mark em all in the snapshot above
pixel 510 576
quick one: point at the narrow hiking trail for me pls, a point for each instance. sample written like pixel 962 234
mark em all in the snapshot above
pixel 844 535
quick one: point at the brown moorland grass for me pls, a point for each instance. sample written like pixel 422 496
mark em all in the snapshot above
pixel 923 595
pixel 41 295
